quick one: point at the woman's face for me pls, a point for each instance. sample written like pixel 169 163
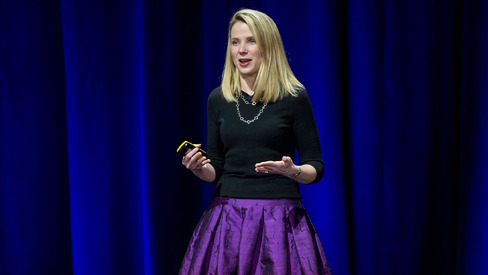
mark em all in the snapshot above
pixel 244 50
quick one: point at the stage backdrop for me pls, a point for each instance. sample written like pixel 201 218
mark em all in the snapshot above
pixel 97 95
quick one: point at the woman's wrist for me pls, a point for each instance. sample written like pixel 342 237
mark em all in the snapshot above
pixel 304 173
pixel 295 172
pixel 299 171
pixel 205 173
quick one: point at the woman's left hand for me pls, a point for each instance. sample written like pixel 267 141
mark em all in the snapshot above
pixel 284 167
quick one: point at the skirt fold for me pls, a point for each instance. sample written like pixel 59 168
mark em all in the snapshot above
pixel 250 246
pixel 211 230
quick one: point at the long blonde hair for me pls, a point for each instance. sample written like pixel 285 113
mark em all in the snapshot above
pixel 275 78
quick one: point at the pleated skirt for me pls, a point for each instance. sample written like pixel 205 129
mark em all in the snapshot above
pixel 255 236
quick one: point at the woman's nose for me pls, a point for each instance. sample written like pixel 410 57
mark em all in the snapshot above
pixel 243 49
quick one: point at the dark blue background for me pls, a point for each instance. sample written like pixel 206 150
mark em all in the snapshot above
pixel 97 95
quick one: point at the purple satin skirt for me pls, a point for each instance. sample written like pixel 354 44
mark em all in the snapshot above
pixel 255 236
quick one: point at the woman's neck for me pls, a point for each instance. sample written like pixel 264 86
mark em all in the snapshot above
pixel 247 85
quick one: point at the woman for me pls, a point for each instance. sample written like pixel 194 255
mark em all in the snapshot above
pixel 256 223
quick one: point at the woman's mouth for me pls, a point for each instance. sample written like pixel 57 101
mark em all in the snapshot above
pixel 244 62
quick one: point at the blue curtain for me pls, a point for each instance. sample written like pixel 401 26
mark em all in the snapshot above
pixel 97 95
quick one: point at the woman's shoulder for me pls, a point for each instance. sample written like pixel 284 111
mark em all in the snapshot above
pixel 297 103
pixel 301 92
pixel 216 94
pixel 299 96
pixel 216 99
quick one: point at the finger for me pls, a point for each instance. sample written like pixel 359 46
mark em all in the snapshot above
pixel 190 153
pixel 190 159
pixel 203 163
pixel 200 163
pixel 201 158
pixel 287 160
pixel 265 163
pixel 186 158
pixel 197 157
pixel 264 169
pixel 193 151
pixel 269 167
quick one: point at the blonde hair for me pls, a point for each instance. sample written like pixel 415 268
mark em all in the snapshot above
pixel 275 78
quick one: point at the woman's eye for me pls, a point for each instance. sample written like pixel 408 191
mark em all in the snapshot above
pixel 234 42
pixel 252 41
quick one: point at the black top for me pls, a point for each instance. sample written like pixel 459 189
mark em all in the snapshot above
pixel 234 147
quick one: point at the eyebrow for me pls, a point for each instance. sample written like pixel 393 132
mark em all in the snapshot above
pixel 249 37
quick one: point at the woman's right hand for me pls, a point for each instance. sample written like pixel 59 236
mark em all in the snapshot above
pixel 194 160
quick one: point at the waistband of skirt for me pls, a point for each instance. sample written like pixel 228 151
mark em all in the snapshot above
pixel 239 202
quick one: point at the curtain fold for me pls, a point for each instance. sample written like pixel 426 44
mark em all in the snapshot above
pixel 34 184
pixel 95 97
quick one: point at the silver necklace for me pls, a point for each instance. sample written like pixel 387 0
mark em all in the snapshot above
pixel 253 103
pixel 247 102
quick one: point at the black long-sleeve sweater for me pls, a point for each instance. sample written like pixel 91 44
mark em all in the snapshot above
pixel 234 147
